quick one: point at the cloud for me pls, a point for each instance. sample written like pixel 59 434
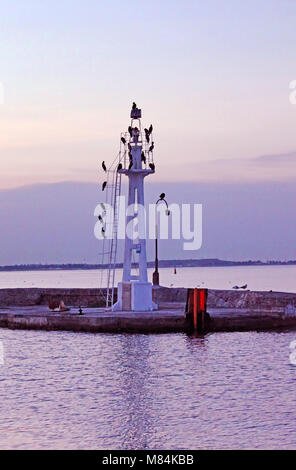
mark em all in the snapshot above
pixel 284 158
pixel 277 167
pixel 55 222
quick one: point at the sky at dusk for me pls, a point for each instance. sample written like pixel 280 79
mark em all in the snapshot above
pixel 213 77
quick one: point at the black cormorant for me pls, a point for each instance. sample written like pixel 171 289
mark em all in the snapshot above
pixel 162 196
pixel 147 135
pixel 104 166
pixel 123 140
pixel 152 166
pixel 104 185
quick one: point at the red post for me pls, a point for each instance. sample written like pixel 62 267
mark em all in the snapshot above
pixel 195 309
pixel 202 307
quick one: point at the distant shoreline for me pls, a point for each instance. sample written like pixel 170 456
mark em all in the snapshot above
pixel 211 262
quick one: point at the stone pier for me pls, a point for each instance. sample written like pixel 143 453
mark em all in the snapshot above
pixel 228 310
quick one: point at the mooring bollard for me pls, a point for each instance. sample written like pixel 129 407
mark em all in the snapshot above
pixel 196 308
pixel 202 307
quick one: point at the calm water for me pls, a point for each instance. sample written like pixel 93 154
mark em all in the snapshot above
pixel 280 278
pixel 85 391
pixel 73 390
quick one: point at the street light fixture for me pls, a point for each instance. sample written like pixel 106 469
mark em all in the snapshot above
pixel 155 276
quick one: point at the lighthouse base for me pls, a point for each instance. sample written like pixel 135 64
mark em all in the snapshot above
pixel 134 296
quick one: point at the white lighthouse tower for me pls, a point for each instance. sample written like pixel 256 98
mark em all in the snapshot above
pixel 136 162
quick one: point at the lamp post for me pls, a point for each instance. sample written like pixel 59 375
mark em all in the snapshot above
pixel 155 276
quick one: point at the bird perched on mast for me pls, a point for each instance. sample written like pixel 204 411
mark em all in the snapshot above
pixel 134 106
pixel 162 196
pixel 143 158
pixel 119 167
pixel 147 135
pixel 151 147
pixel 104 185
pixel 123 140
pixel 104 166
pixel 152 166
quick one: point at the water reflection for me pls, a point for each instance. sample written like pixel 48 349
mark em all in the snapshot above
pixel 137 395
pixel 87 391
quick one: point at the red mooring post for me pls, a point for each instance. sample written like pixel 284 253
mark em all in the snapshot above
pixel 195 309
pixel 202 308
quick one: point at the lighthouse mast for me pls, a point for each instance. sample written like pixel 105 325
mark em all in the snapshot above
pixel 135 292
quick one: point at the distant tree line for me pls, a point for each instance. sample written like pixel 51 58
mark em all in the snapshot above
pixel 163 263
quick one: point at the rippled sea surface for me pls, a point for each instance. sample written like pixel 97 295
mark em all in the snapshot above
pixel 61 390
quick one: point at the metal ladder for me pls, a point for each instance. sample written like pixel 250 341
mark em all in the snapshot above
pixel 109 249
pixel 113 241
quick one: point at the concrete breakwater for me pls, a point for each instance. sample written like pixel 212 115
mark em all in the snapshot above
pixel 93 298
pixel 228 310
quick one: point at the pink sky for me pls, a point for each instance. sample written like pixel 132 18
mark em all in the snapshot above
pixel 212 77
